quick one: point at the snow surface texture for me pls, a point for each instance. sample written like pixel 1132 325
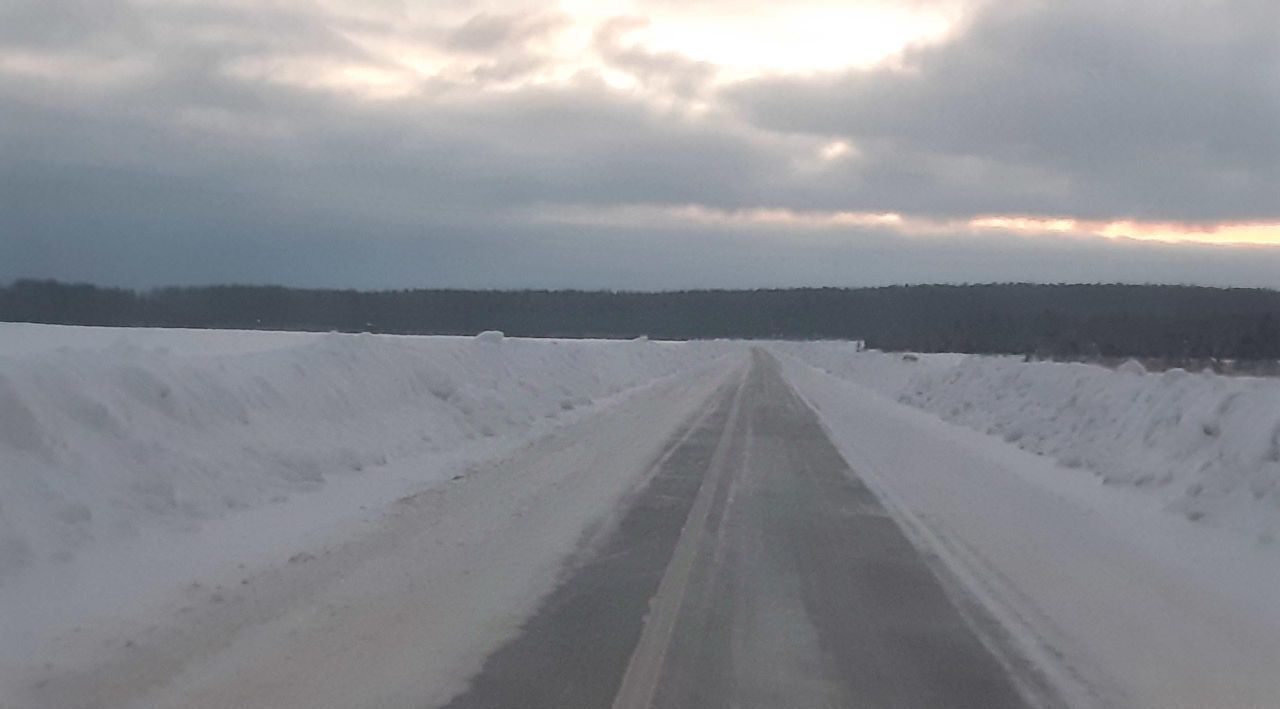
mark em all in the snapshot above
pixel 1207 446
pixel 108 434
pixel 1116 603
pixel 391 598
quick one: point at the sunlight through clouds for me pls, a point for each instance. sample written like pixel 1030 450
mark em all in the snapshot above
pixel 505 45
pixel 464 127
pixel 778 218
pixel 798 37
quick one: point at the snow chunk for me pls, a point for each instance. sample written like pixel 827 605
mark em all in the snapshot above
pixel 1131 366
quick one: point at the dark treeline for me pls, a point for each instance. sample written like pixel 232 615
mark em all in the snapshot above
pixel 1169 322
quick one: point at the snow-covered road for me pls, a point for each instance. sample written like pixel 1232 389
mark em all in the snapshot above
pixel 395 607
pixel 754 571
pixel 1119 602
pixel 289 520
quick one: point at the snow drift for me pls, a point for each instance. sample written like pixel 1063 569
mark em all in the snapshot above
pixel 1207 445
pixel 107 433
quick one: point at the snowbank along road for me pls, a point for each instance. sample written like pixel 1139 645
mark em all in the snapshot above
pixel 292 521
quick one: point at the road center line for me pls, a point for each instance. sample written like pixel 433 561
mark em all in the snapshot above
pixel 640 681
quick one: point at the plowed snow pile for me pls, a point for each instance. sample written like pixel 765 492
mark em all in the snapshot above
pixel 1207 446
pixel 108 434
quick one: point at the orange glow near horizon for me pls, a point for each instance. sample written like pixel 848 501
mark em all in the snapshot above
pixel 1256 233
pixel 1025 224
pixel 1230 233
pixel 1224 234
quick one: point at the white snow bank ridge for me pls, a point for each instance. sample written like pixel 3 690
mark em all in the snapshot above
pixel 108 433
pixel 1207 446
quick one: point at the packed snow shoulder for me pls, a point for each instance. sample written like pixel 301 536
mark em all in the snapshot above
pixel 105 434
pixel 1207 446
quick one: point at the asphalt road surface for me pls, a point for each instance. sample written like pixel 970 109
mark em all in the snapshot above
pixel 754 570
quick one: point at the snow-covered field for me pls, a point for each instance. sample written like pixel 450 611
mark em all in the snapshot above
pixel 212 518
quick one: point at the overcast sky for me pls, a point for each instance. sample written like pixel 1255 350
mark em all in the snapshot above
pixel 639 143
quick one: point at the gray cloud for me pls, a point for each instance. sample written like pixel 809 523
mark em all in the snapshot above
pixel 486 32
pixel 677 73
pixel 233 240
pixel 66 23
pixel 183 170
pixel 1151 109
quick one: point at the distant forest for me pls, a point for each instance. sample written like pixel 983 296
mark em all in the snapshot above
pixel 1048 321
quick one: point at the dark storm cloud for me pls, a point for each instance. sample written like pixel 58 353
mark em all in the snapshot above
pixel 229 240
pixel 1152 109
